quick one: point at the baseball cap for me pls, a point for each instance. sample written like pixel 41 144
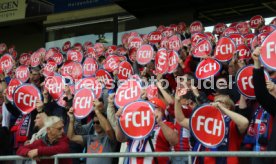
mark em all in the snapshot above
pixel 158 102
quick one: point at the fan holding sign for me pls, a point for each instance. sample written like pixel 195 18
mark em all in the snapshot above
pixel 144 128
pixel 212 124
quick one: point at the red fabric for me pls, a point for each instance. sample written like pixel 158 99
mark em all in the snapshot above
pixel 187 61
pixel 187 112
pixel 172 82
pixel 184 141
pixel 62 146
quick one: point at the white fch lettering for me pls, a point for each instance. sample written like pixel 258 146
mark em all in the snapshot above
pixel 136 44
pixel 215 130
pixel 21 74
pixel 224 49
pixel 68 69
pixel 172 60
pixel 244 52
pixel 202 48
pixel 83 102
pixel 207 68
pixel 35 59
pixel 89 67
pixel 256 21
pixel 55 88
pixel 270 49
pixel 144 54
pixel 74 56
pixel 132 117
pixel 174 44
pixel 195 28
pixel 161 60
pixel 128 93
pixel 11 89
pixel 6 63
pixel 238 41
pixel 247 81
pixel 124 71
pixel 155 37
pixel 27 99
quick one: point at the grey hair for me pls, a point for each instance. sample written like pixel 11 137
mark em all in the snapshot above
pixel 50 121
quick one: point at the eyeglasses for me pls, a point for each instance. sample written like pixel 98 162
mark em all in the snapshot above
pixel 96 122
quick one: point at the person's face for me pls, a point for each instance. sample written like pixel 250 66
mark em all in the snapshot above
pixel 97 127
pixel 39 122
pixel 55 132
pixel 35 76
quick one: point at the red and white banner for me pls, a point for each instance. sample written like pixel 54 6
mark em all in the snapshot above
pixel 125 70
pixel 25 97
pixel 225 49
pixel 127 92
pixel 35 59
pixel 111 63
pixel 7 63
pixel 249 38
pixel 174 43
pixel 244 81
pixel 144 54
pixel 137 120
pixel 74 55
pixel 207 68
pixel 90 67
pixel 50 67
pixel 243 28
pixel 174 27
pixel 121 51
pixel 219 28
pixel 77 46
pixel 256 21
pixel 267 28
pixel 90 52
pixel 261 37
pixel 87 44
pixel 196 38
pixel 111 50
pixel 22 73
pixel 83 103
pixel 77 71
pixel 24 58
pixel 208 126
pixel 186 42
pixel 202 49
pixel 161 61
pixel 167 32
pixel 49 53
pixel 55 86
pixel 66 69
pixel 90 83
pixel 14 83
pixel 155 37
pixel 173 61
pixel 195 27
pixel 164 42
pixel 230 30
pixel 268 52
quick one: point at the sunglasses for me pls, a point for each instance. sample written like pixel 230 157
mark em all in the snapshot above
pixel 96 122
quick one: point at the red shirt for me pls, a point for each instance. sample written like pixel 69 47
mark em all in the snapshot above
pixel 62 146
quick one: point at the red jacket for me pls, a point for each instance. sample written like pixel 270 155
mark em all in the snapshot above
pixel 62 146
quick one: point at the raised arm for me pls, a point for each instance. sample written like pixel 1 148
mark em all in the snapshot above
pixel 70 133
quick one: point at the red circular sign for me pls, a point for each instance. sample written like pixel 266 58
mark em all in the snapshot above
pixel 104 77
pixel 244 81
pixel 127 92
pixel 237 38
pixel 111 63
pixel 196 38
pixel 111 50
pixel 195 27
pixel 174 43
pixel 243 52
pixel 23 59
pixel 13 84
pixel 74 55
pixel 161 61
pixel 144 54
pixel 25 97
pixel 87 44
pixel 249 38
pixel 35 59
pixel 66 69
pixel 243 28
pixel 137 120
pixel 219 28
pixel 152 91
pixel 77 71
pixel 55 86
pixel 90 83
pixel 50 67
pixel 168 32
pixel 83 103
pixel 58 58
pixel 164 42
pixel 202 49
pixel 208 126
pixel 256 21
pixel 207 68
pixel 7 63
pixel 22 73
pixel 268 51
pixel 267 28
pixel 155 37
pixel 66 46
pixel 125 70
pixel 230 30
pixel 90 52
pixel 173 61
pixel 49 53
pixel 225 49
pixel 135 42
pixel 90 67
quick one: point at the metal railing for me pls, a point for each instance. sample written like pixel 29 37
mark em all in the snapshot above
pixel 267 154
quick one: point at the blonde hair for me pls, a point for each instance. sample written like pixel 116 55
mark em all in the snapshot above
pixel 226 100
pixel 50 121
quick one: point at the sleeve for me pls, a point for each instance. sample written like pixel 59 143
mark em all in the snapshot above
pixel 85 138
pixel 61 147
pixel 13 110
pixel 244 112
pixel 23 150
pixel 267 101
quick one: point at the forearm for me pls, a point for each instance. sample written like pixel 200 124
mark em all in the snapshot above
pixel 166 95
pixel 70 131
pixel 111 115
pixel 242 102
pixel 120 136
pixel 170 135
pixel 105 124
